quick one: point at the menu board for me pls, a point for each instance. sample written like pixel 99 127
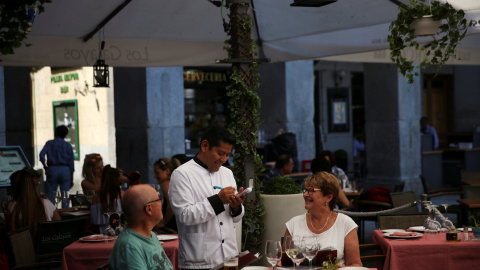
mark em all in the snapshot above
pixel 12 159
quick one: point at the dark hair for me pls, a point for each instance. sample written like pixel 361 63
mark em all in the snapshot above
pixel 282 160
pixel 320 164
pixel 330 155
pixel 109 189
pixel 166 163
pixel 215 135
pixel 61 131
pixel 182 158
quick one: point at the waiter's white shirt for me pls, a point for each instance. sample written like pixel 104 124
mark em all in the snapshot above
pixel 205 226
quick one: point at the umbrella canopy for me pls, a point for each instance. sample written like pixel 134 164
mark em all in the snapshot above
pixel 190 32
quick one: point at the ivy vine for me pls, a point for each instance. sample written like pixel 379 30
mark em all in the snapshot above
pixel 244 105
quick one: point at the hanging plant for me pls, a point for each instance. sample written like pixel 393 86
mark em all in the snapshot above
pixel 452 29
pixel 16 21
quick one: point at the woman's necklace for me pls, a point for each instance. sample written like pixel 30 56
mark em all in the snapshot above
pixel 311 222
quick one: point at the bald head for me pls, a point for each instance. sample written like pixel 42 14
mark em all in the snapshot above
pixel 134 201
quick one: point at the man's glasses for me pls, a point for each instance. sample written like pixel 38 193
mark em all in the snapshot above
pixel 145 207
pixel 310 190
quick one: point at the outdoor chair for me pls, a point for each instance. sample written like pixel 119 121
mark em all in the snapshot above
pixel 372 256
pixel 53 236
pixel 405 221
pixel 402 198
pixel 24 251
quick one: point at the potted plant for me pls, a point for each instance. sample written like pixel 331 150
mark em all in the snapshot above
pixel 283 199
pixel 476 228
pixel 452 29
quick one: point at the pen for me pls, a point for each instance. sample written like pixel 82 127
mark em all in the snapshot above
pixel 217 187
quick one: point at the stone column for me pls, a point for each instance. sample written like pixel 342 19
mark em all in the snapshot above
pixel 149 117
pixel 287 94
pixel 2 109
pixel 392 128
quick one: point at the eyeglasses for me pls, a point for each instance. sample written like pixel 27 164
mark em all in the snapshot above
pixel 159 199
pixel 310 190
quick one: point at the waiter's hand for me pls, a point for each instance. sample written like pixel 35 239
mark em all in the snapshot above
pixel 226 193
pixel 235 201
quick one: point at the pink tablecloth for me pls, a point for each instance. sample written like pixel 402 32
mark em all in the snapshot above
pixel 428 254
pixel 90 255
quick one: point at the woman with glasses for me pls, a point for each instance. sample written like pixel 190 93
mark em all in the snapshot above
pixel 108 198
pixel 331 229
pixel 163 169
pixel 92 172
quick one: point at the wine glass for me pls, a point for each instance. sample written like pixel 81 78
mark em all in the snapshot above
pixel 296 247
pixel 80 198
pixel 288 240
pixel 110 230
pixel 57 197
pixel 273 252
pixel 311 248
pixel 90 194
pixel 446 223
pixel 65 199
pixel 119 228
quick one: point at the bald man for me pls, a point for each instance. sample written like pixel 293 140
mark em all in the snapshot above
pixel 138 247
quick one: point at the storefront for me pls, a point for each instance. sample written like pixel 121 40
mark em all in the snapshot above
pixel 205 101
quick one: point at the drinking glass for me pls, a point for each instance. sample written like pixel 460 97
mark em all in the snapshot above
pixel 273 252
pixel 289 253
pixel 296 247
pixel 119 228
pixel 80 198
pixel 311 248
pixel 110 231
pixel 57 197
pixel 446 223
pixel 5 200
pixel 65 199
pixel 90 194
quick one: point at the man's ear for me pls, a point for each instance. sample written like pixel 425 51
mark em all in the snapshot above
pixel 204 146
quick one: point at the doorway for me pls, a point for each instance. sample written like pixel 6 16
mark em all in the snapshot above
pixel 437 104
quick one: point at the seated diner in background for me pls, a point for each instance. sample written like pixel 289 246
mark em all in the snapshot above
pixel 92 172
pixel 27 207
pixel 138 247
pixel 320 164
pixel 284 165
pixel 163 169
pixel 338 172
pixel 330 228
pixel 107 199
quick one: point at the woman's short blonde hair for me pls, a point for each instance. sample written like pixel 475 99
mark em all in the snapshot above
pixel 328 184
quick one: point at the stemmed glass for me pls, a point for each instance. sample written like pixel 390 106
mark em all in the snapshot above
pixel 119 228
pixel 110 231
pixel 80 198
pixel 90 194
pixel 65 199
pixel 446 223
pixel 288 251
pixel 311 248
pixel 273 252
pixel 431 225
pixel 296 247
pixel 57 197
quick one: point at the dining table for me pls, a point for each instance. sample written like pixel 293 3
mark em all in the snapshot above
pixel 427 253
pixel 83 255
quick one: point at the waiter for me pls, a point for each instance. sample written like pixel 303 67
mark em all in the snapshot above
pixel 202 194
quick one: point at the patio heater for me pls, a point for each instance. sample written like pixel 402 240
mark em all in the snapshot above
pixel 311 3
pixel 101 77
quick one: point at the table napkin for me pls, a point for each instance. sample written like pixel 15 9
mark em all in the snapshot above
pixel 403 234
